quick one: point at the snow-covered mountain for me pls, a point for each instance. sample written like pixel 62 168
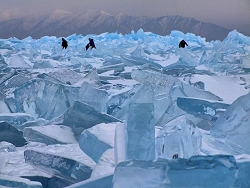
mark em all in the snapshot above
pixel 63 23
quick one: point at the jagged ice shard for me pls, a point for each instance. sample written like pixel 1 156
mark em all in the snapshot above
pixel 10 134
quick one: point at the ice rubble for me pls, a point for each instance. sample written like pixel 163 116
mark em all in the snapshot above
pixel 128 100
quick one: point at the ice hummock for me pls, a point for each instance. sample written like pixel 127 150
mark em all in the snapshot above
pixel 124 68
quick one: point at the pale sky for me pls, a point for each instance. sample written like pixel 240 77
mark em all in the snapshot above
pixel 231 14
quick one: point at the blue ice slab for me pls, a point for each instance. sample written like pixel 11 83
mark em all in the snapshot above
pixel 12 80
pixel 3 64
pixel 213 146
pixel 86 143
pixel 11 181
pixel 10 134
pixel 34 123
pixel 97 182
pixel 178 136
pixel 58 166
pixel 233 124
pixel 97 139
pixel 144 94
pixel 243 164
pixel 136 61
pixel 42 98
pixel 92 78
pixel 66 76
pixel 140 132
pixel 94 97
pixel 6 74
pixel 50 134
pixel 117 101
pixel 165 84
pixel 15 119
pixel 167 89
pixel 198 171
pixel 81 116
pixel 209 110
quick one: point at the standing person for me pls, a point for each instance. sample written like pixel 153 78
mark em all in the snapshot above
pixel 182 44
pixel 90 44
pixel 64 43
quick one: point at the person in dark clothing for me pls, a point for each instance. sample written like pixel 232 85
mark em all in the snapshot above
pixel 64 43
pixel 90 44
pixel 182 44
pixel 175 156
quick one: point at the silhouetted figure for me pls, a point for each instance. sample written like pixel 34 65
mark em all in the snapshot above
pixel 90 44
pixel 175 156
pixel 182 44
pixel 64 43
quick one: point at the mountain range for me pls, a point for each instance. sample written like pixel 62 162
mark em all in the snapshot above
pixel 61 23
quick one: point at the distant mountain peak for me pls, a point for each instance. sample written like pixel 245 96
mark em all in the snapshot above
pixel 59 14
pixel 91 12
pixel 11 14
pixel 64 23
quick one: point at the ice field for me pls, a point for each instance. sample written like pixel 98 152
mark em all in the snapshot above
pixel 114 116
